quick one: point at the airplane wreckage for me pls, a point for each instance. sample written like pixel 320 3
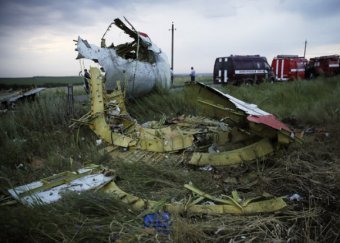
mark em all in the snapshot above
pixel 9 98
pixel 140 63
pixel 226 132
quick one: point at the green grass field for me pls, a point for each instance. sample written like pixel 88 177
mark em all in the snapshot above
pixel 36 142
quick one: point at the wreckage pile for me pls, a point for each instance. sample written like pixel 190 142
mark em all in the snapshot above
pixel 199 141
pixel 205 201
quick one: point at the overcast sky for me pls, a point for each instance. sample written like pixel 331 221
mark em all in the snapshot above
pixel 36 36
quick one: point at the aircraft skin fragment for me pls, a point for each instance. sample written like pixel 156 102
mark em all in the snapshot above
pixel 228 206
pixel 172 138
pixel 51 189
pixel 138 77
pixel 249 153
pixel 95 177
pixel 10 97
pixel 223 106
pixel 138 137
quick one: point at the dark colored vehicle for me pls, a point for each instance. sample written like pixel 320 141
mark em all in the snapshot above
pixel 289 67
pixel 242 69
pixel 324 65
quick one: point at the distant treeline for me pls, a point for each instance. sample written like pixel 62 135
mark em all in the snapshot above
pixel 45 81
pixel 39 81
pixel 197 74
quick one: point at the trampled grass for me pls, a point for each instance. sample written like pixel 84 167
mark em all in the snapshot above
pixel 36 142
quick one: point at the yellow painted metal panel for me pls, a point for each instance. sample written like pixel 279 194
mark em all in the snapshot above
pixel 248 153
pixel 263 206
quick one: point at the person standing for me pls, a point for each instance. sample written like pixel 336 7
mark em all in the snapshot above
pixel 87 76
pixel 192 74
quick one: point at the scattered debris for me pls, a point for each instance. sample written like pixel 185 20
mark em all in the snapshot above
pixel 96 177
pixel 295 197
pixel 51 189
pixel 199 140
pixel 9 98
pixel 99 142
pixel 204 140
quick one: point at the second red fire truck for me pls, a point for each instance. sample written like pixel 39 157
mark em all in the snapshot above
pixel 289 67
pixel 324 65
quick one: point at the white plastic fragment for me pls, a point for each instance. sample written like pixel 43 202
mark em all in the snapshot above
pixel 30 194
pixel 295 197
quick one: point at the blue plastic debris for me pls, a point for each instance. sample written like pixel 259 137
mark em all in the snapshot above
pixel 160 221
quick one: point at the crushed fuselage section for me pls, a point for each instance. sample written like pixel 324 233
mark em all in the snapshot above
pixel 139 65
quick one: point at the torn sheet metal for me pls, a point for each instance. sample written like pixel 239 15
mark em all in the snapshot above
pixel 251 152
pixel 219 105
pixel 9 98
pixel 207 141
pixel 51 189
pixel 251 110
pixel 269 120
pixel 124 131
pixel 232 205
pixel 139 65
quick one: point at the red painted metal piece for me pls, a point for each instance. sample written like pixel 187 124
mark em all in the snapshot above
pixel 269 120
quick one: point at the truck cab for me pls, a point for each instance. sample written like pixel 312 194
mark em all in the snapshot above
pixel 289 67
pixel 236 69
pixel 323 65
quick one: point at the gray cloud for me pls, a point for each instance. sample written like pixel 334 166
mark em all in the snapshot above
pixel 312 8
pixel 40 13
pixel 42 30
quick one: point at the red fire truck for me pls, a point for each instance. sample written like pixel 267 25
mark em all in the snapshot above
pixel 289 67
pixel 324 65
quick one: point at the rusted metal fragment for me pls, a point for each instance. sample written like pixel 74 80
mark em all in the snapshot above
pixel 251 152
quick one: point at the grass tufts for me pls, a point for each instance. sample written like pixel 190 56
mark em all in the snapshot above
pixel 36 143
